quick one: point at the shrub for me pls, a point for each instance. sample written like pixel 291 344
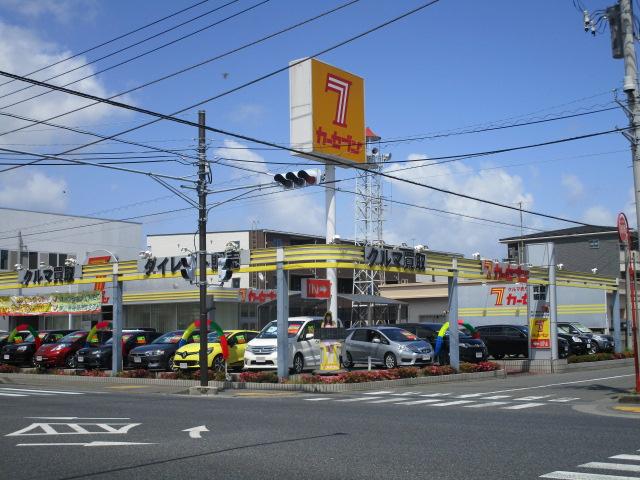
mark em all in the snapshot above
pixel 138 373
pixel 92 373
pixel 478 367
pixel 5 368
pixel 408 372
pixel 598 357
pixel 436 370
pixel 169 375
pixel 259 377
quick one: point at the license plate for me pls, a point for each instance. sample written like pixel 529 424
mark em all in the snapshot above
pixel 184 366
pixel 137 360
pixel 478 354
pixel 6 357
pixel 81 359
pixel 38 358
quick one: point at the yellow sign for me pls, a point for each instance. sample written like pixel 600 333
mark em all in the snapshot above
pixel 330 357
pixel 540 332
pixel 327 112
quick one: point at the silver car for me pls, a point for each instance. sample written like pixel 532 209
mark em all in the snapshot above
pixel 385 345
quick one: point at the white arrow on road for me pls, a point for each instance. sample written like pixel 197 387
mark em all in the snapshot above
pixel 196 432
pixel 90 444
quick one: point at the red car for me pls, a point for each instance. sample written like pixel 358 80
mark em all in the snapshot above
pixel 62 353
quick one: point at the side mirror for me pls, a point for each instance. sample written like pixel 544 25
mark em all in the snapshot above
pixel 308 336
pixel 375 340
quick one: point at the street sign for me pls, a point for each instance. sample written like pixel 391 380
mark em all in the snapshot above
pixel 315 288
pixel 623 228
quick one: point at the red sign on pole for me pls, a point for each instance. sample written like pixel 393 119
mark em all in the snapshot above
pixel 315 288
pixel 623 228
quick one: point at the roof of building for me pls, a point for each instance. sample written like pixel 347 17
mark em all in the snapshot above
pixel 69 215
pixel 565 232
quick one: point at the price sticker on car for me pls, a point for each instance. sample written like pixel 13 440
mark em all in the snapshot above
pixel 183 366
pixel 137 360
pixel 38 358
pixel 426 357
pixel 260 360
pixel 478 354
pixel 81 359
pixel 6 357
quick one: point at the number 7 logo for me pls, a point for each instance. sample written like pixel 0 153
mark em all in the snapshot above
pixel 341 86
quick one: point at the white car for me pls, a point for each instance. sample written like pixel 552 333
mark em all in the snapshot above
pixel 304 346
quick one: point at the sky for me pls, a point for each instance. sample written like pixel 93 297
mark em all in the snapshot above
pixel 455 66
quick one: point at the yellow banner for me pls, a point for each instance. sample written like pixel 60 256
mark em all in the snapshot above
pixel 540 332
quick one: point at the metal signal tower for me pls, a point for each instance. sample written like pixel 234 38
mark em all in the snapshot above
pixel 369 220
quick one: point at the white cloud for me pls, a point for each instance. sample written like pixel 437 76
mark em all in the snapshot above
pixel 247 113
pixel 33 191
pixel 22 51
pixel 62 11
pixel 451 233
pixel 599 215
pixel 573 187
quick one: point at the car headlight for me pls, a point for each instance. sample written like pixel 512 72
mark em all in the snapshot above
pixel 57 348
pixel 249 349
pixel 96 354
pixel 576 339
pixel 154 353
pixel 403 348
pixel 464 345
pixel 598 338
pixel 21 348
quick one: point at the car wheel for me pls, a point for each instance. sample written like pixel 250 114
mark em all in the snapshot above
pixel 298 364
pixel 596 346
pixel 171 364
pixel 390 360
pixel 498 356
pixel 70 361
pixel 592 349
pixel 348 362
pixel 218 363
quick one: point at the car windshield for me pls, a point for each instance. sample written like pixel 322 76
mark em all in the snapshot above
pixel 563 329
pixel 213 337
pixel 271 330
pixel 582 329
pixel 73 337
pixel 399 335
pixel 171 337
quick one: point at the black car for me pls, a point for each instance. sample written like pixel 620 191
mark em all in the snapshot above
pixel 578 344
pixel 158 355
pixel 4 337
pixel 22 353
pixel 471 349
pixel 99 356
pixel 601 343
pixel 505 340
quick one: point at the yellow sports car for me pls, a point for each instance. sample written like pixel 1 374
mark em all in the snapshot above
pixel 187 356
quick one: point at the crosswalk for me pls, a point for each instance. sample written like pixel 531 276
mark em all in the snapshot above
pixel 448 399
pixel 612 470
pixel 29 392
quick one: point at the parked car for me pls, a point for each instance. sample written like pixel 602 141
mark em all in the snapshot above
pixel 24 353
pixel 99 356
pixel 602 343
pixel 19 337
pixel 505 340
pixel 158 355
pixel 578 344
pixel 304 345
pixel 471 349
pixel 63 352
pixel 385 345
pixel 188 356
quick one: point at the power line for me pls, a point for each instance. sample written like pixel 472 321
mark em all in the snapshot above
pixel 119 37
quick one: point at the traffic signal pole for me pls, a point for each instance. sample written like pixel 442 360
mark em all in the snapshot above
pixel 630 87
pixel 202 247
pixel 330 204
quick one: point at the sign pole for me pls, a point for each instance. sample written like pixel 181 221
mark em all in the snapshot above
pixel 330 204
pixel 282 309
pixel 616 318
pixel 116 325
pixel 553 304
pixel 454 340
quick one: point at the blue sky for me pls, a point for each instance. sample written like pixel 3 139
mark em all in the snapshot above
pixel 455 64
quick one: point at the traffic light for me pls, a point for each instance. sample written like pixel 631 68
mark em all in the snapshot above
pixel 225 269
pixel 298 179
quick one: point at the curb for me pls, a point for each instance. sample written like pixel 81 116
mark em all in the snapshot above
pixel 290 387
pixel 629 398
pixel 602 364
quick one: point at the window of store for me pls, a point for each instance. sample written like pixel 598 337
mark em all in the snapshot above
pixel 4 259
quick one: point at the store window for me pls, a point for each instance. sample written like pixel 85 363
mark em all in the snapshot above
pixel 4 259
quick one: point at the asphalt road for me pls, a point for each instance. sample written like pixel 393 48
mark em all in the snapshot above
pixel 519 428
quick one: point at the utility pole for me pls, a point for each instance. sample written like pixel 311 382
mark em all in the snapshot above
pixel 330 205
pixel 202 247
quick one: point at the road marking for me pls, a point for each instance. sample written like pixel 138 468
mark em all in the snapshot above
pixel 496 397
pixel 417 402
pixel 446 404
pixel 563 399
pixel 358 399
pixel 386 400
pixel 486 404
pixel 523 405
pixel 40 391
pixel 624 467
pixel 469 395
pixel 196 432
pixel 584 476
pixel 125 387
pixel 562 383
pixel 435 395
pixel 378 393
pixel 635 458
pixel 90 444
pixel 11 395
pixel 79 418
pixel 528 399
pixel 317 399
pixel 76 429
pixel 404 394
pixel 628 409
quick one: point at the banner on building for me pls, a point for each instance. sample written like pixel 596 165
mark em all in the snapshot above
pixel 54 304
pixel 540 332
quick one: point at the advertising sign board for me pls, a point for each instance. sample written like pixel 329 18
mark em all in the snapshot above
pixel 315 288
